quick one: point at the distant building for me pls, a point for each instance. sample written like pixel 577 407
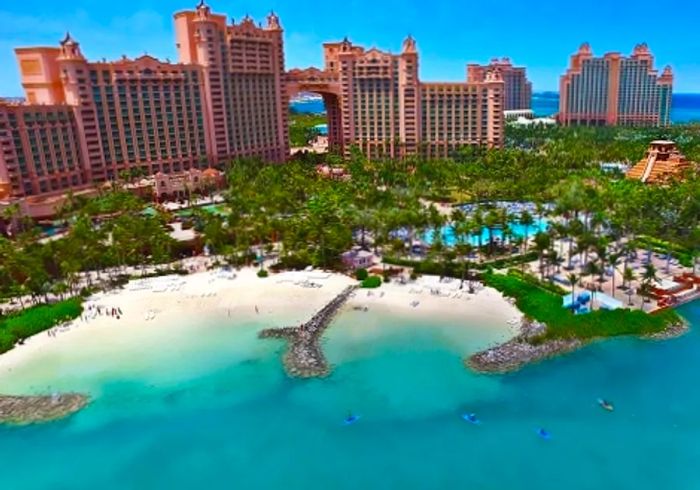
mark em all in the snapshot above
pixel 615 90
pixel 535 121
pixel 517 94
pixel 357 258
pixel 86 123
pixel 376 101
pixel 662 162
pixel 515 114
pixel 181 185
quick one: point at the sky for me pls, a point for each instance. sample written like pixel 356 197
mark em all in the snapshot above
pixel 540 35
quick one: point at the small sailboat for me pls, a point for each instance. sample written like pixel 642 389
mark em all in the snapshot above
pixel 471 418
pixel 606 405
pixel 351 419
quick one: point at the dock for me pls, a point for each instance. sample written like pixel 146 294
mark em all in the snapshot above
pixel 304 357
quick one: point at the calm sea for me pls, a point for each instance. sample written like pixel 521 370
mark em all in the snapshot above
pixel 685 107
pixel 217 412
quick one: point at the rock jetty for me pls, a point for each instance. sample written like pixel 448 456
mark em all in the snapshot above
pixel 520 350
pixel 304 357
pixel 23 410
pixel 672 331
pixel 528 348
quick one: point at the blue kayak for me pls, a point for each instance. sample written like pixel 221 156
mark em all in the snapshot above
pixel 544 434
pixel 471 418
pixel 351 419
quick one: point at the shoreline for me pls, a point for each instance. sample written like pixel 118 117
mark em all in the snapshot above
pixel 160 313
pixel 519 352
pixel 26 410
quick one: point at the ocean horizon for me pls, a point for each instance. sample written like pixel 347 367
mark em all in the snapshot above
pixel 685 108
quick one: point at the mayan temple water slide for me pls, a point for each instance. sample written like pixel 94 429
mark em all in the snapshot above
pixel 649 166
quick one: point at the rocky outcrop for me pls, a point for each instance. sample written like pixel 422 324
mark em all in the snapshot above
pixel 304 357
pixel 521 350
pixel 671 332
pixel 22 410
pixel 528 348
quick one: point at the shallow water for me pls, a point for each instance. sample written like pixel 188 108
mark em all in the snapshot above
pixel 217 412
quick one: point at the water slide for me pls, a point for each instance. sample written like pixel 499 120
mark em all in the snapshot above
pixel 649 167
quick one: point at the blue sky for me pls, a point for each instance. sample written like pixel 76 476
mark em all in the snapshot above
pixel 540 35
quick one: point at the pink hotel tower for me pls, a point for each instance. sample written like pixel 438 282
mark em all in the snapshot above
pixel 615 90
pixel 85 123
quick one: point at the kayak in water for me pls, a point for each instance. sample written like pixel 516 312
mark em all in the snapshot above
pixel 606 405
pixel 351 419
pixel 544 434
pixel 471 418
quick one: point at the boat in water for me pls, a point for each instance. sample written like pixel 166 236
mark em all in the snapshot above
pixel 471 418
pixel 606 405
pixel 544 434
pixel 351 419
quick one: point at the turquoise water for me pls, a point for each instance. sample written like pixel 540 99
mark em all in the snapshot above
pixel 219 413
pixel 517 230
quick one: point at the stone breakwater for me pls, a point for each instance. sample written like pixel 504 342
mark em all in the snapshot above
pixel 304 357
pixel 671 332
pixel 524 349
pixel 22 410
pixel 520 350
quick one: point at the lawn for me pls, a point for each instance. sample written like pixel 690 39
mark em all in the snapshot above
pixel 546 307
pixel 36 319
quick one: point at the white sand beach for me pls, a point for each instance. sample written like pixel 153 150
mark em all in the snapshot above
pixel 157 313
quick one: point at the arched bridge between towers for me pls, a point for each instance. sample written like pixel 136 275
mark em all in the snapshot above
pixel 327 85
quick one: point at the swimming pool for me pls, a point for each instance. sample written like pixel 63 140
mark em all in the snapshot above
pixel 449 237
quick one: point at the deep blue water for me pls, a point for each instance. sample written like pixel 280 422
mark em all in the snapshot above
pixel 685 107
pixel 221 414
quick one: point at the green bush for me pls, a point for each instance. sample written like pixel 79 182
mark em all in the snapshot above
pixel 546 307
pixel 656 245
pixel 551 287
pixel 372 282
pixel 262 273
pixel 361 274
pixel 32 321
pixel 454 269
pixel 295 262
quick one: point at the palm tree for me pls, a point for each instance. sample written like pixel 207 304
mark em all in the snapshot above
pixel 491 221
pixel 478 229
pixel 591 269
pixel 526 221
pixel 613 262
pixel 542 243
pixel 648 276
pixel 628 276
pixel 573 279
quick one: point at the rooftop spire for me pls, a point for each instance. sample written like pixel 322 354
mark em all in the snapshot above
pixel 273 22
pixel 409 45
pixel 67 39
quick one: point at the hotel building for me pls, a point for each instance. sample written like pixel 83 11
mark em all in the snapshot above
pixel 376 101
pixel 518 89
pixel 84 123
pixel 615 90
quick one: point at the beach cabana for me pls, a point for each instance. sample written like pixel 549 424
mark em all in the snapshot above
pixel 607 302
